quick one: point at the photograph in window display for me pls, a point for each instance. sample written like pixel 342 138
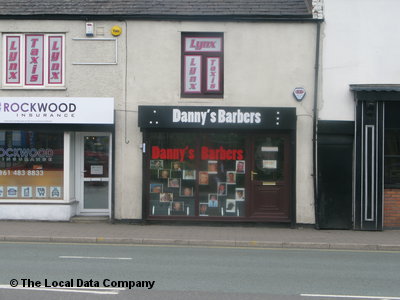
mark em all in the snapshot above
pixel 240 166
pixel 178 206
pixel 231 177
pixel 212 200
pixel 156 187
pixel 176 166
pixel 203 209
pixel 230 205
pixel 174 182
pixel 212 166
pixel 222 189
pixel 186 191
pixel 189 175
pixel 164 174
pixel 156 164
pixel 203 178
pixel 166 197
pixel 239 194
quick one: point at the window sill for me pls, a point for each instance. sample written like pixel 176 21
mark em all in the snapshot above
pixel 36 202
pixel 200 100
pixel 33 89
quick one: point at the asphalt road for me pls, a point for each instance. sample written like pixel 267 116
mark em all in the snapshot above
pixel 82 271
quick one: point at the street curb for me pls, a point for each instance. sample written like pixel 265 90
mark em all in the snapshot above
pixel 209 243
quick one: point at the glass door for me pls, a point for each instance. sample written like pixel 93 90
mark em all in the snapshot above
pixel 94 167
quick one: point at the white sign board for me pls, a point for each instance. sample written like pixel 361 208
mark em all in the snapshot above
pixel 57 110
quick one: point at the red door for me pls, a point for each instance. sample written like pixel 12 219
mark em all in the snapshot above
pixel 270 178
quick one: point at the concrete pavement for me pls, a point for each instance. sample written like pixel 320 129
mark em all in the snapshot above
pixel 201 235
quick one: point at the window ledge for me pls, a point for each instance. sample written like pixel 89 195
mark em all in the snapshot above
pixel 37 202
pixel 33 89
pixel 200 100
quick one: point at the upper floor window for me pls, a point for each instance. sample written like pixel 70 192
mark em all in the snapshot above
pixel 33 60
pixel 202 65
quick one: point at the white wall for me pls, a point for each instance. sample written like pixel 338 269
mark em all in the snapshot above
pixel 35 212
pixel 360 46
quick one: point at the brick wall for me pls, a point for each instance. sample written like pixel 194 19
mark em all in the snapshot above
pixel 391 215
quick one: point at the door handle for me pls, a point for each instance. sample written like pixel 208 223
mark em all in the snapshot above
pixel 252 174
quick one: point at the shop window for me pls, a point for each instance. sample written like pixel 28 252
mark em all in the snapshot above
pixel 392 145
pixel 392 157
pixel 31 165
pixel 196 175
pixel 33 60
pixel 202 65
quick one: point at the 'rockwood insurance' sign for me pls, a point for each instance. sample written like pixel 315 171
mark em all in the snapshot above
pixel 62 110
pixel 217 117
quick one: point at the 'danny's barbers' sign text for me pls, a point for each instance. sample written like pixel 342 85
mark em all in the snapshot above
pixel 217 117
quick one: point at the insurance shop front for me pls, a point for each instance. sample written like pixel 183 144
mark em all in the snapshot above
pixel 55 157
pixel 218 163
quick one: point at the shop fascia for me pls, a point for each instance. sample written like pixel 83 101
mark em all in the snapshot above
pixel 59 110
pixel 217 117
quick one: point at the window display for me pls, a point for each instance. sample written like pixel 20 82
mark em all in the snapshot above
pixel 197 175
pixel 31 165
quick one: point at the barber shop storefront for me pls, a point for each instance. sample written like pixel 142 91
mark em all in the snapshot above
pixel 55 157
pixel 218 163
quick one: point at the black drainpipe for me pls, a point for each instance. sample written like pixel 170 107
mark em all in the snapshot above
pixel 315 123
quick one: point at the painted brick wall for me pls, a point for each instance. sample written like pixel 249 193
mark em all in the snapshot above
pixel 391 217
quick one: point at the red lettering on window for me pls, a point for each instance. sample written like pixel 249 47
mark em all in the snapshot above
pixel 192 71
pixel 55 56
pixel 34 52
pixel 54 75
pixel 34 41
pixel 13 66
pixel 13 75
pixel 55 46
pixel 221 154
pixel 13 46
pixel 13 56
pixel 55 66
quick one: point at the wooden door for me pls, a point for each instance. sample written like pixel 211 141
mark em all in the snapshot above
pixel 270 178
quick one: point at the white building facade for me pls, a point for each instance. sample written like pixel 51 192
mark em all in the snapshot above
pixel 357 112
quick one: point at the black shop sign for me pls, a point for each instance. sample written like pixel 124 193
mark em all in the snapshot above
pixel 217 117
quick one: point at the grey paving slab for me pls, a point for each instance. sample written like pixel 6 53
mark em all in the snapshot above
pixel 236 236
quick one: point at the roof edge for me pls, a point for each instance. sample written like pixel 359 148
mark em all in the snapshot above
pixel 248 18
pixel 375 87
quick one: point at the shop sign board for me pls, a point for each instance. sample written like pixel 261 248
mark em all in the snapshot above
pixel 57 110
pixel 217 117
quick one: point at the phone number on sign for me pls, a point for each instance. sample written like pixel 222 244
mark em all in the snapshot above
pixel 22 172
